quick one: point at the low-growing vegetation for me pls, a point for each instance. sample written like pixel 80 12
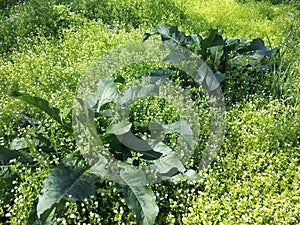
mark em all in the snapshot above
pixel 48 177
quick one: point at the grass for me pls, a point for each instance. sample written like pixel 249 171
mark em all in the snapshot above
pixel 255 179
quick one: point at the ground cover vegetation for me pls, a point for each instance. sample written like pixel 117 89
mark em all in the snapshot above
pixel 251 46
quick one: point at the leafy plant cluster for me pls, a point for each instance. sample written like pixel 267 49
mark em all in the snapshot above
pixel 244 65
pixel 75 179
pixel 245 185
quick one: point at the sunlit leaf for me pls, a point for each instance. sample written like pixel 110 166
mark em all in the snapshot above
pixel 138 197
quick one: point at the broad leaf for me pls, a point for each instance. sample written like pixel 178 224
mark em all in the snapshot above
pixel 162 148
pixel 162 72
pixel 219 77
pixel 137 92
pixel 70 179
pixel 138 197
pixel 168 165
pixel 127 140
pixel 47 218
pixel 169 34
pixel 119 128
pixel 131 141
pixel 172 57
pixel 119 150
pixel 202 72
pixel 212 83
pixel 190 175
pixel 106 92
pixel 6 175
pixel 44 106
pixel 216 53
pixel 183 128
pixel 257 44
pixel 214 38
pixel 18 144
pixel 6 155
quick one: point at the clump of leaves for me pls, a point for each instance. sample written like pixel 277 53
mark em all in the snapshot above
pixel 76 176
pixel 244 63
pixel 120 156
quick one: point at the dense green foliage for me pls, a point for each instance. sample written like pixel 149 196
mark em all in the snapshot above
pixel 46 46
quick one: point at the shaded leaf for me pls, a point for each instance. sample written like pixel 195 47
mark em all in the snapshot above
pixel 162 148
pixel 161 72
pixel 119 79
pixel 70 179
pixel 213 38
pixel 6 175
pixel 202 72
pixel 47 218
pixel 44 106
pixel 130 141
pixel 6 155
pixel 119 150
pixel 211 82
pixel 169 34
pixel 220 77
pixel 216 53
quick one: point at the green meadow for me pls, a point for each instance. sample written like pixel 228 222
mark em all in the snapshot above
pixel 46 47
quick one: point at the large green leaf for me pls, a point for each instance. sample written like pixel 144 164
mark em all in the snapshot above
pixel 254 51
pixel 137 92
pixel 190 175
pixel 183 128
pixel 69 180
pixel 213 38
pixel 172 57
pixel 216 53
pixel 44 106
pixel 6 155
pixel 131 141
pixel 202 72
pixel 169 34
pixel 106 92
pixel 212 82
pixel 47 218
pixel 138 197
pixel 119 150
pixel 18 144
pixel 168 165
pixel 119 128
